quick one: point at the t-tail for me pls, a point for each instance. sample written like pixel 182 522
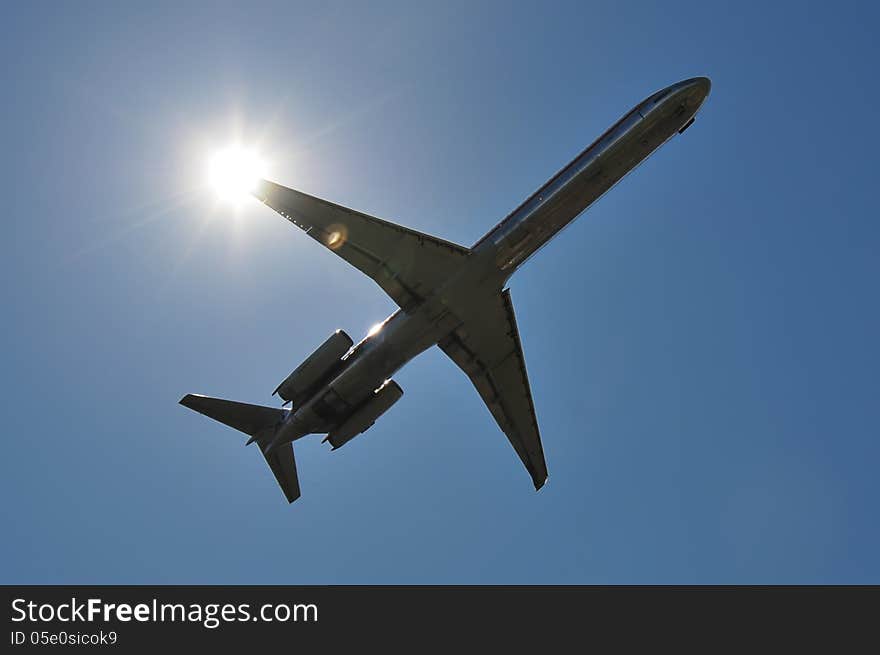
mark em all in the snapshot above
pixel 314 408
pixel 262 424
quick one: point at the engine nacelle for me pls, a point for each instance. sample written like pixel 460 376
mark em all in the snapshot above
pixel 317 367
pixel 365 415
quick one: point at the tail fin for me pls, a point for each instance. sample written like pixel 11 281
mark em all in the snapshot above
pixel 252 420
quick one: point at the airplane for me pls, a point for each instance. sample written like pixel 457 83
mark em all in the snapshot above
pixel 448 295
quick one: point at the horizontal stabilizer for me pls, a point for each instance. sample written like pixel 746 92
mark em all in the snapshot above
pixel 283 465
pixel 253 420
pixel 249 419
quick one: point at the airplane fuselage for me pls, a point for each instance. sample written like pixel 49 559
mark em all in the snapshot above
pixel 497 255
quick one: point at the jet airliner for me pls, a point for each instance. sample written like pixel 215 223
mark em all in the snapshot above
pixel 448 295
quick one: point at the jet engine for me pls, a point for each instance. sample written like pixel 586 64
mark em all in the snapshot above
pixel 365 415
pixel 317 368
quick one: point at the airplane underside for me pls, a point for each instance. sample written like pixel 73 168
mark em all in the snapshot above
pixel 448 295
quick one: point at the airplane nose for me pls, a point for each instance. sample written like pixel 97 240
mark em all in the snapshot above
pixel 697 90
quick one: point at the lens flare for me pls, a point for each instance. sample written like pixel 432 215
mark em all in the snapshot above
pixel 336 236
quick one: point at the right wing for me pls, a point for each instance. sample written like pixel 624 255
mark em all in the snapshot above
pixel 486 347
pixel 408 265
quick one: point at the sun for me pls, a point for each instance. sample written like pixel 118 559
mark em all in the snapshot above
pixel 234 172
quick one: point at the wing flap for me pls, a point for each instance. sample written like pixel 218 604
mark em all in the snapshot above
pixel 487 348
pixel 408 265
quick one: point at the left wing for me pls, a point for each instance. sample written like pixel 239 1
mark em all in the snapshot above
pixel 487 348
pixel 408 265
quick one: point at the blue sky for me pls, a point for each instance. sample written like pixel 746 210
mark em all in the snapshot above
pixel 702 343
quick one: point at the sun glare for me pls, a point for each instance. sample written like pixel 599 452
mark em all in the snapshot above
pixel 234 172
